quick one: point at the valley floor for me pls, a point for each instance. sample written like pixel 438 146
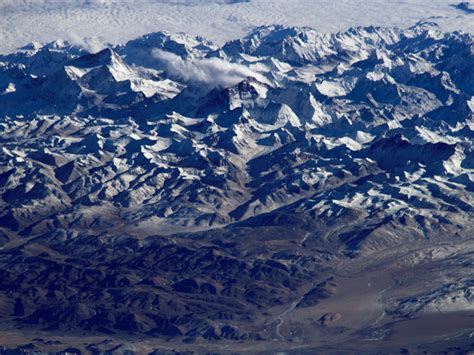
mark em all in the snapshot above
pixel 401 300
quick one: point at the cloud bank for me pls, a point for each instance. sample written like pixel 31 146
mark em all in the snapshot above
pixel 211 72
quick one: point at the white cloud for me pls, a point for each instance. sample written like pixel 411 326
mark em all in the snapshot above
pixel 90 44
pixel 212 72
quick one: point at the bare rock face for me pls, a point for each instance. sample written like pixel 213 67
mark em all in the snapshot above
pixel 329 319
pixel 222 199
pixel 322 291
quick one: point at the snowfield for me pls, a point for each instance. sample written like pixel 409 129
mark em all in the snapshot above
pixel 23 21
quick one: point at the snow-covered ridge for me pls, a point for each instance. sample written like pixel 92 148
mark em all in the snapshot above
pixel 372 124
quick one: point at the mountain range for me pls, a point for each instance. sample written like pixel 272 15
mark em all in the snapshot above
pixel 220 196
